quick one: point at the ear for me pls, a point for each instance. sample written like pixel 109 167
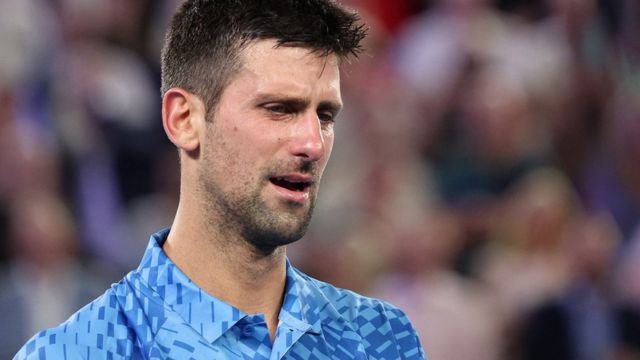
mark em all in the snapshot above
pixel 183 117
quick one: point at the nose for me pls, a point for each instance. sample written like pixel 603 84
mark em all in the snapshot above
pixel 307 140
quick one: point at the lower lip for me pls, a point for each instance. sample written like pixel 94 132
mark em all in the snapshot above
pixel 291 195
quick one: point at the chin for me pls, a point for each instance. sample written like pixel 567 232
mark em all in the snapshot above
pixel 266 240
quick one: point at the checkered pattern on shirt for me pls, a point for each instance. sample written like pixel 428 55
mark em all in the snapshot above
pixel 156 312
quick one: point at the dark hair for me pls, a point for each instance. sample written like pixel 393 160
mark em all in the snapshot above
pixel 203 43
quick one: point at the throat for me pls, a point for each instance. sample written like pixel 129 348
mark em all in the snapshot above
pixel 230 270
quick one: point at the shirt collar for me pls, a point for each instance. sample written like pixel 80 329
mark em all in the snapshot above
pixel 210 316
pixel 300 307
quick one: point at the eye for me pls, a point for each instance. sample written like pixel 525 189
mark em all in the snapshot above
pixel 326 116
pixel 278 108
pixel 278 111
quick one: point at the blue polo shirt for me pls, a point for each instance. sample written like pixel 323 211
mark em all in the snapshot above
pixel 156 312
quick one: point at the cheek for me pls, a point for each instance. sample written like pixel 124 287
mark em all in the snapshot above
pixel 328 135
pixel 250 152
pixel 241 142
pixel 328 145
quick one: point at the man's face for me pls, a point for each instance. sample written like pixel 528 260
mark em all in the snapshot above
pixel 268 143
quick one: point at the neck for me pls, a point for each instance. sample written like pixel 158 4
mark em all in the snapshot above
pixel 228 267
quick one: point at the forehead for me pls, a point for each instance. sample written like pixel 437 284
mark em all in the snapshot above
pixel 267 51
pixel 263 62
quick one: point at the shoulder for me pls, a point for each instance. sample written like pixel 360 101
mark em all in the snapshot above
pixel 379 323
pixel 350 304
pixel 98 330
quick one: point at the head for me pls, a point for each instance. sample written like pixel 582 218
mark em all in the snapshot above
pixel 250 93
pixel 206 37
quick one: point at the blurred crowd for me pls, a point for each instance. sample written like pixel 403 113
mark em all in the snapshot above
pixel 485 176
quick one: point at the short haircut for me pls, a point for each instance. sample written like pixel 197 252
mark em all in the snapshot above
pixel 205 38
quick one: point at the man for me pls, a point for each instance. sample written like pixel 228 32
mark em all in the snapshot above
pixel 250 93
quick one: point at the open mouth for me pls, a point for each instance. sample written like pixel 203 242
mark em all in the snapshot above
pixel 291 183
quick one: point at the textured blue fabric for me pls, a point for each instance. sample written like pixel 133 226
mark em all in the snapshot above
pixel 156 312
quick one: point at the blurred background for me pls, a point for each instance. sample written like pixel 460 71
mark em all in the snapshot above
pixel 485 176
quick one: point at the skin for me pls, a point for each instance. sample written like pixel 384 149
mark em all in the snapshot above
pixel 274 119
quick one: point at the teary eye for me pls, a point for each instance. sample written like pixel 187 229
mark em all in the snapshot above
pixel 278 108
pixel 326 116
